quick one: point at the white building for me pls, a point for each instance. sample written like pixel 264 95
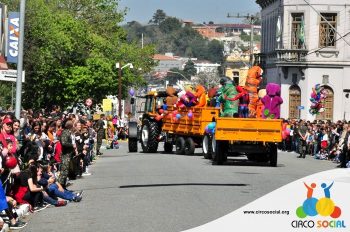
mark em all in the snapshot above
pixel 304 43
pixel 204 66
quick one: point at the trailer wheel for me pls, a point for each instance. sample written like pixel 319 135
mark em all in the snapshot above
pixel 207 147
pixel 189 146
pixel 132 144
pixel 133 137
pixel 168 147
pixel 273 155
pixel 149 136
pixel 220 152
pixel 180 146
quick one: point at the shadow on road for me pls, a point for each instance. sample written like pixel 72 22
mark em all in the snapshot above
pixel 246 162
pixel 180 184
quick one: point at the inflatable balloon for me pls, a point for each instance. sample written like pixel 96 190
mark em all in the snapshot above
pixel 165 107
pixel 178 116
pixel 190 114
pixel 11 162
pixel 318 95
pixel 161 111
pixel 132 92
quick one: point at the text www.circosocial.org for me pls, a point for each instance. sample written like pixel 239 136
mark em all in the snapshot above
pixel 284 212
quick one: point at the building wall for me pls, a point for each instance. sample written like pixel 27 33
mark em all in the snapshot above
pixel 165 65
pixel 332 62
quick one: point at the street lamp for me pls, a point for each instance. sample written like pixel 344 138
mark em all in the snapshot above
pixel 119 67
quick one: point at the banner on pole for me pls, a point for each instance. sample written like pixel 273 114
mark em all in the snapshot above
pixel 13 37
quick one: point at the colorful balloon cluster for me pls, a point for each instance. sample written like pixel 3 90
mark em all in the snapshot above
pixel 285 130
pixel 318 96
pixel 210 128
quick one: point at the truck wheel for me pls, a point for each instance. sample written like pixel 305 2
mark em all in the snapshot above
pixel 189 146
pixel 207 147
pixel 168 147
pixel 180 146
pixel 132 144
pixel 220 152
pixel 273 155
pixel 149 136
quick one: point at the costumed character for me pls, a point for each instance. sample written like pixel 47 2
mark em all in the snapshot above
pixel 243 98
pixel 252 84
pixel 272 101
pixel 201 96
pixel 212 95
pixel 171 99
pixel 186 98
pixel 230 108
pixel 260 105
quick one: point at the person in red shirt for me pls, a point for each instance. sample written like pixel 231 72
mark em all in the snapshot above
pixel 7 134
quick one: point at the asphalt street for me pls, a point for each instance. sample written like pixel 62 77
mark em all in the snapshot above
pixel 137 192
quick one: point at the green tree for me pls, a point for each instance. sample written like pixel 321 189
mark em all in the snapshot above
pixel 158 17
pixel 170 24
pixel 71 47
pixel 190 69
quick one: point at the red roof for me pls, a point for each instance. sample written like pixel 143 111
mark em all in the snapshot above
pixel 162 57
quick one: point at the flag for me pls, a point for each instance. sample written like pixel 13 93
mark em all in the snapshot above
pixel 301 35
pixel 278 30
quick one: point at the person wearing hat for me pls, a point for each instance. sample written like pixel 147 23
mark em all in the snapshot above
pixel 7 133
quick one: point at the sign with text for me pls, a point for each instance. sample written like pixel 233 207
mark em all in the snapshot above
pixel 13 37
pixel 10 75
pixel 107 105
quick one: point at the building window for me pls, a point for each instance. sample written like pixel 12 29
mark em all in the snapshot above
pixel 294 101
pixel 327 33
pixel 297 30
pixel 236 78
pixel 327 114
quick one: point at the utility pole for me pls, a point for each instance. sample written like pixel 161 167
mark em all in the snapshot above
pixel 120 91
pixel 252 19
pixel 20 60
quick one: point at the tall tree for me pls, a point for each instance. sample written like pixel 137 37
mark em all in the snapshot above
pixel 71 47
pixel 190 69
pixel 158 17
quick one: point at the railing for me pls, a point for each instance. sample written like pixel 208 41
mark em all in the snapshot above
pixel 282 56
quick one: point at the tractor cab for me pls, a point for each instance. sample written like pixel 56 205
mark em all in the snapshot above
pixel 153 101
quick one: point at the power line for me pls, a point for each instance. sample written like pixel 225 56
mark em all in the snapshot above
pixel 327 22
pixel 252 19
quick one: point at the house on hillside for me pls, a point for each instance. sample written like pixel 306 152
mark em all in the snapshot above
pixel 305 43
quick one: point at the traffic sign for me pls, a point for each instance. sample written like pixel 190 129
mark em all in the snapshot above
pixel 301 107
pixel 10 75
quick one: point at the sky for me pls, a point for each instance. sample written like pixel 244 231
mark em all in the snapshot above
pixel 198 11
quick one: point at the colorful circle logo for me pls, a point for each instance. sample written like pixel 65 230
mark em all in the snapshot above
pixel 324 206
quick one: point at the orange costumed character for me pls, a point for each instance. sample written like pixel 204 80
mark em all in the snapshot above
pixel 201 96
pixel 251 85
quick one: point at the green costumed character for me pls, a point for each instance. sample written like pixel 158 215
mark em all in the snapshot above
pixel 228 90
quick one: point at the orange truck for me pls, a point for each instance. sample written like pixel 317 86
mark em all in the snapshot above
pixel 186 128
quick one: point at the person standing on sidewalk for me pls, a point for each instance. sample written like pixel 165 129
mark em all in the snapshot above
pixel 68 151
pixel 344 146
pixel 302 134
pixel 100 134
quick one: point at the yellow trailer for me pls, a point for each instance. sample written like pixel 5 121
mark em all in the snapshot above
pixel 254 137
pixel 188 131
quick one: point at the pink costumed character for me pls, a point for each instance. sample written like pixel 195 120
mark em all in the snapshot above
pixel 272 101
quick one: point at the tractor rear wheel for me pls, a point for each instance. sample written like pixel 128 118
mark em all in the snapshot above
pixel 149 136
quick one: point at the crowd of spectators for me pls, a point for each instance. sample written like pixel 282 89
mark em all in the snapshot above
pixel 41 154
pixel 323 140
